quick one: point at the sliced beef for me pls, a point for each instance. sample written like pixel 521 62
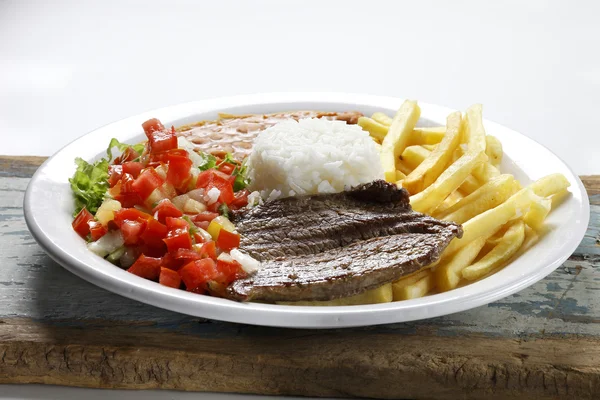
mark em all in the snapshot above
pixel 235 133
pixel 330 246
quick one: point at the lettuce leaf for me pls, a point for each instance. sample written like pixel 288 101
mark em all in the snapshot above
pixel 89 184
pixel 208 161
pixel 139 148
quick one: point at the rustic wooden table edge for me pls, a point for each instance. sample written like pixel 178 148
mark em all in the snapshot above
pixel 56 344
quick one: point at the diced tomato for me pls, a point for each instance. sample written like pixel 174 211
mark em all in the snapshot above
pixel 145 184
pixel 152 125
pixel 209 249
pixel 80 224
pixel 228 240
pixel 97 230
pixel 226 168
pixel 132 167
pixel 132 214
pixel 196 274
pixel 204 216
pixel 165 208
pixel 169 278
pixel 128 155
pixel 187 254
pixel 202 224
pixel 178 239
pixel 164 156
pixel 132 231
pixel 176 223
pixel 169 261
pixel 215 179
pixel 125 193
pixel 178 173
pixel 146 267
pixel 159 138
pixel 115 173
pixel 240 199
pixel 154 234
pixel 229 271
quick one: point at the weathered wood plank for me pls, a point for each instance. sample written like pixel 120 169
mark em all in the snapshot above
pixel 19 166
pixel 337 364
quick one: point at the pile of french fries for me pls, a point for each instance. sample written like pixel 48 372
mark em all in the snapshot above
pixel 452 173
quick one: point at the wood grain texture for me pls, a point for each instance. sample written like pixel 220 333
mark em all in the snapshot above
pixel 541 343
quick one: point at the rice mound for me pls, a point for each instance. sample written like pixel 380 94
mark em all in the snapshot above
pixel 312 156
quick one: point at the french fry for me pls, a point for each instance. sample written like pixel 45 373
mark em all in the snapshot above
pixel 382 294
pixel 430 135
pixel 430 147
pixel 398 137
pixel 538 211
pixel 448 181
pixel 469 185
pixel 486 197
pixel 486 172
pixel 493 149
pixel 511 242
pixel 414 290
pixel 448 202
pixel 550 184
pixel 448 274
pixel 403 168
pixel 414 155
pixel 375 129
pixel 474 131
pixel 491 220
pixel 558 198
pixel 410 279
pixel 382 118
pixel 432 167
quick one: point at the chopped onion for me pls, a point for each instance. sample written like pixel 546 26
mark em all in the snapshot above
pixel 192 206
pixel 205 235
pixel 196 194
pixel 249 264
pixel 225 257
pixel 179 201
pixel 106 211
pixel 196 159
pixel 128 258
pixel 107 243
pixel 254 199
pixel 212 196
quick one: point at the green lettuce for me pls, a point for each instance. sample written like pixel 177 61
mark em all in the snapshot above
pixel 208 161
pixel 89 184
pixel 139 148
pixel 90 181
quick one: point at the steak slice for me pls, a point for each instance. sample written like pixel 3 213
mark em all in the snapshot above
pixel 329 246
pixel 235 133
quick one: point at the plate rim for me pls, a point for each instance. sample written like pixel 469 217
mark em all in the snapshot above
pixel 279 315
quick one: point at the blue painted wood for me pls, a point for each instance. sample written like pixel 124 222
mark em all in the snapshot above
pixel 55 328
pixel 33 286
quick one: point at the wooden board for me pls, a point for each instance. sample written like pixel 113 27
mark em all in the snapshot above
pixel 541 343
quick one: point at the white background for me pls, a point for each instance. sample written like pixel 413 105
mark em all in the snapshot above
pixel 69 67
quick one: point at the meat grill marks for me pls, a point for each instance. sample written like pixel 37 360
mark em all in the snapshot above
pixel 235 133
pixel 330 246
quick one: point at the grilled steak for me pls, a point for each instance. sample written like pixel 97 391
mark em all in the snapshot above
pixel 329 246
pixel 235 133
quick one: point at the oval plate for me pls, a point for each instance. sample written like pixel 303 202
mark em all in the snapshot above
pixel 48 206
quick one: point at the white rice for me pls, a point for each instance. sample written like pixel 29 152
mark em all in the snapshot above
pixel 312 156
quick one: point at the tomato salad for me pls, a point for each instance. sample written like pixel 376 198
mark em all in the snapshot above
pixel 160 209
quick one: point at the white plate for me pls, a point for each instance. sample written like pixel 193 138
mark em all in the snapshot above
pixel 48 206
